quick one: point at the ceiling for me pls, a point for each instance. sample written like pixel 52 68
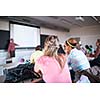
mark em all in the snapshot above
pixel 56 22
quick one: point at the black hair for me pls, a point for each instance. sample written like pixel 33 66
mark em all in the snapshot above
pixel 61 50
pixel 38 48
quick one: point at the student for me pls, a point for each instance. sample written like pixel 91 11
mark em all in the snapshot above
pixel 76 58
pixel 61 50
pixel 35 55
pixel 92 49
pixel 88 50
pixel 48 65
pixel 98 48
pixel 96 61
pixel 11 48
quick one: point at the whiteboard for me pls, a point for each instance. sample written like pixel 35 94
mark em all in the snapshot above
pixel 25 36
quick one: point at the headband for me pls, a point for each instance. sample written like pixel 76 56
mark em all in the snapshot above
pixel 70 44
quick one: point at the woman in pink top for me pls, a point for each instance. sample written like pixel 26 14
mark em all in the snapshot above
pixel 49 66
pixel 11 48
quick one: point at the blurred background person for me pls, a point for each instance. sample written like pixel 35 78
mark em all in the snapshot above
pixel 88 51
pixel 96 60
pixel 11 48
pixel 98 48
pixel 36 54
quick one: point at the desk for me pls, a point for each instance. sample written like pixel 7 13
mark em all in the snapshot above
pixel 90 58
pixel 10 65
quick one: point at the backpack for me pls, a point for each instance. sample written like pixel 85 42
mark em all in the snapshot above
pixel 20 73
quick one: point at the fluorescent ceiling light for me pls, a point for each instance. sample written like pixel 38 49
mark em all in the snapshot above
pixel 79 18
pixel 94 18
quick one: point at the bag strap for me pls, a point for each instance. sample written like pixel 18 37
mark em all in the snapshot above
pixel 92 78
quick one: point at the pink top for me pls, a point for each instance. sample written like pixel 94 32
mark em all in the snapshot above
pixel 11 47
pixel 51 70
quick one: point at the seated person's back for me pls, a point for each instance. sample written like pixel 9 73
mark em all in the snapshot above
pixel 49 67
pixel 35 55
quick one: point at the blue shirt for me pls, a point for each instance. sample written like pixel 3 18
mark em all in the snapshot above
pixel 77 60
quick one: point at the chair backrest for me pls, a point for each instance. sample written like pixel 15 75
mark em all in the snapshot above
pixel 92 78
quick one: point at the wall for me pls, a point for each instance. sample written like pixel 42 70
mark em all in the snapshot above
pixel 4 25
pixel 61 34
pixel 88 35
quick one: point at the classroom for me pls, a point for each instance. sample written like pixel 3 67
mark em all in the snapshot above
pixel 30 33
